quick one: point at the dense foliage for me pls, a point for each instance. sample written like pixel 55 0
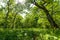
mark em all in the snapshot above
pixel 30 20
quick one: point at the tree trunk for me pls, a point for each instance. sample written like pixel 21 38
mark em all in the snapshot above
pixel 49 17
pixel 12 26
pixel 7 14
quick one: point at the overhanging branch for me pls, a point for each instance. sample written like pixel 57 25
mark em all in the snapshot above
pixel 50 19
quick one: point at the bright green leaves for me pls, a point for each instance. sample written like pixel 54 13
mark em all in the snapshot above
pixel 36 10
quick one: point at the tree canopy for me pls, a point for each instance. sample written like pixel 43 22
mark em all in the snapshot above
pixel 30 19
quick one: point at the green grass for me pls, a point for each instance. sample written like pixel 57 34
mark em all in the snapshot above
pixel 29 33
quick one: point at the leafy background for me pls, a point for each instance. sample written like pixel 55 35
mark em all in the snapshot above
pixel 26 21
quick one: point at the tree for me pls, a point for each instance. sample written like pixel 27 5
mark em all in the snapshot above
pixel 42 5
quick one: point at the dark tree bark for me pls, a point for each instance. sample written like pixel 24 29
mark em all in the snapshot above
pixel 7 14
pixel 49 17
pixel 12 26
pixel 14 20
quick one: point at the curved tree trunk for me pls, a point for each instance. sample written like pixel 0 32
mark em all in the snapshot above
pixel 49 17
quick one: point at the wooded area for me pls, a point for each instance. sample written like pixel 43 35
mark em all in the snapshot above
pixel 29 19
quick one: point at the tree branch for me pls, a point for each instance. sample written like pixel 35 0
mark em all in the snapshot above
pixel 50 19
